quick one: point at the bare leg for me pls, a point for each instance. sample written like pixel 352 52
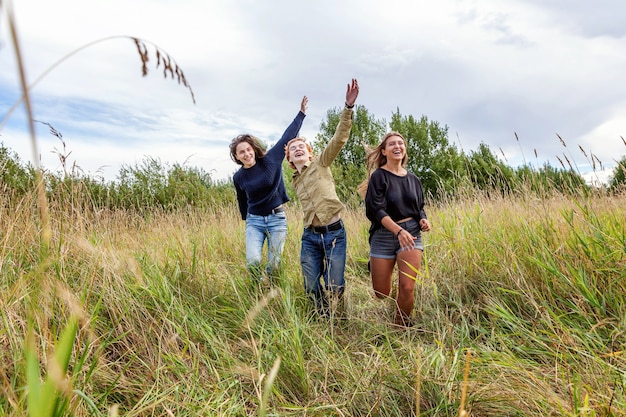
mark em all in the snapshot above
pixel 408 263
pixel 381 272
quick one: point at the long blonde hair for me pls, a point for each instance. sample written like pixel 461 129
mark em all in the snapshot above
pixel 375 159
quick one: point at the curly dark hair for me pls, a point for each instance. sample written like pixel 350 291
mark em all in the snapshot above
pixel 257 145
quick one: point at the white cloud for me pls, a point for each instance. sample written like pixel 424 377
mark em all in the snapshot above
pixel 487 70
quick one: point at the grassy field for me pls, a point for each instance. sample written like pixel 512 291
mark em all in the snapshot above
pixel 520 308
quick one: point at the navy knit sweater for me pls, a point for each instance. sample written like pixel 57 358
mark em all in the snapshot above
pixel 261 188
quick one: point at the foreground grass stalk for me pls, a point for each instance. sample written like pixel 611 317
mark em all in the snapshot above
pixel 267 388
pixel 462 411
pixel 50 397
pixel 41 190
pixel 42 398
pixel 418 383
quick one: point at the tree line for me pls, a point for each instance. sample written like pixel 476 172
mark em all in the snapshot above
pixel 446 171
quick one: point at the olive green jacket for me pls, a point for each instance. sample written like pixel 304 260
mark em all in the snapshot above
pixel 314 185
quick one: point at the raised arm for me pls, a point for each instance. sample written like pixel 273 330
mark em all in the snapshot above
pixel 342 132
pixel 278 150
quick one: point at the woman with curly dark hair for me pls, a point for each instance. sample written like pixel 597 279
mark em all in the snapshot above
pixel 261 194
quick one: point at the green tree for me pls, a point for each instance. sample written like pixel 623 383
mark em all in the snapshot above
pixel 548 179
pixel 439 164
pixel 618 179
pixel 349 167
pixel 153 184
pixel 566 181
pixel 14 177
pixel 487 172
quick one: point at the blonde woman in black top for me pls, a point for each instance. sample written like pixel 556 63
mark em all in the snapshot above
pixel 394 203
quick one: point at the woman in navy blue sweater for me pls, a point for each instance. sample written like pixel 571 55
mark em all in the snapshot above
pixel 261 194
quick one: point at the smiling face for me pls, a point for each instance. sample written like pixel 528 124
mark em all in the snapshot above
pixel 395 149
pixel 245 149
pixel 245 154
pixel 298 152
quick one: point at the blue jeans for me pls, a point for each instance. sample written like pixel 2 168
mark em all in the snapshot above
pixel 259 229
pixel 323 256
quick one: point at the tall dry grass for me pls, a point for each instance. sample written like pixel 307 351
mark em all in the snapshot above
pixel 171 324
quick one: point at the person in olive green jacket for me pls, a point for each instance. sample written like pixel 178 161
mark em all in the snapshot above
pixel 323 251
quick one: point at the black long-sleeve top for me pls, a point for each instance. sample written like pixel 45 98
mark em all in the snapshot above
pixel 395 196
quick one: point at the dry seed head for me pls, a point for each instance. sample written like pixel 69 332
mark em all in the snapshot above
pixel 143 54
pixel 562 164
pixel 170 67
pixel 503 155
pixel 594 157
pixel 568 162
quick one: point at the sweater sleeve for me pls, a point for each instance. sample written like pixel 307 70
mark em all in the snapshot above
pixel 277 152
pixel 421 200
pixel 242 201
pixel 342 133
pixel 375 198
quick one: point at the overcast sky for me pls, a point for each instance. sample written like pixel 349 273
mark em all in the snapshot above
pixel 486 69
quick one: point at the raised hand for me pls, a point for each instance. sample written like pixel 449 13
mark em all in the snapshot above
pixel 304 104
pixel 352 92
